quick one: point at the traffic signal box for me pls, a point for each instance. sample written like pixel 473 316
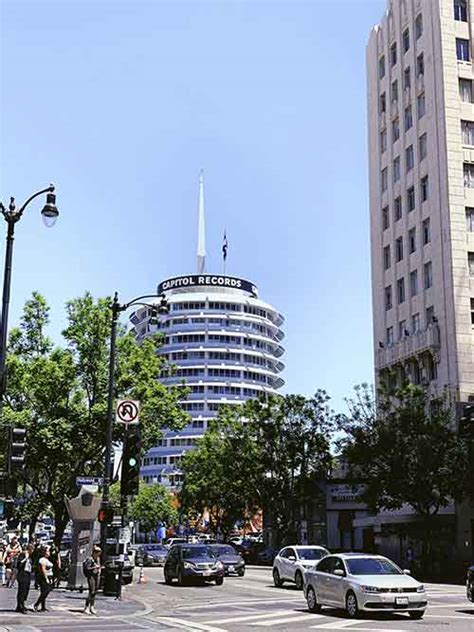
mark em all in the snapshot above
pixel 106 514
pixel 17 448
pixel 131 462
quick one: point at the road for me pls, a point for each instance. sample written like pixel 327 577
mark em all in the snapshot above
pixel 239 605
pixel 253 603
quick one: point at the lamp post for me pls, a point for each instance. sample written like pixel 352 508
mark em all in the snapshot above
pixel 116 308
pixel 12 215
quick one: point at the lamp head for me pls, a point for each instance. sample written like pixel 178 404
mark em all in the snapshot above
pixel 163 307
pixel 50 211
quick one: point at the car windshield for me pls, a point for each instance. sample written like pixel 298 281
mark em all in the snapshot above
pixel 195 551
pixel 311 554
pixel 372 566
pixel 221 549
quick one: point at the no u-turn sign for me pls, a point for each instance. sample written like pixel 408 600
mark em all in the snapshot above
pixel 127 411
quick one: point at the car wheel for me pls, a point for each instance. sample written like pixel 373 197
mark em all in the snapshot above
pixel 352 608
pixel 299 580
pixel 168 579
pixel 219 581
pixel 277 579
pixel 241 573
pixel 417 614
pixel 312 601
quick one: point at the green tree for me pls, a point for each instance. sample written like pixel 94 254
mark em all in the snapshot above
pixel 153 504
pixel 60 396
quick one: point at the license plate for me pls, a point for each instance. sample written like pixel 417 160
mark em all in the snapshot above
pixel 231 569
pixel 401 601
pixel 207 572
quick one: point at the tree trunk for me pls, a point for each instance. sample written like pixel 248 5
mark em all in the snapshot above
pixel 32 527
pixel 61 518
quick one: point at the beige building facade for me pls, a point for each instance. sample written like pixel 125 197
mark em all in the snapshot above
pixel 421 163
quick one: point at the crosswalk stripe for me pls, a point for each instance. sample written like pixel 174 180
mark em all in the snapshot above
pixel 293 619
pixel 361 629
pixel 335 625
pixel 250 617
pixel 188 625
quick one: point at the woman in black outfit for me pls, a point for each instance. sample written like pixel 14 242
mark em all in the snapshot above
pixel 25 568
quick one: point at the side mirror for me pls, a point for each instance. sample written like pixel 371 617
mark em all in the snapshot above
pixel 292 558
pixel 406 571
pixel 339 572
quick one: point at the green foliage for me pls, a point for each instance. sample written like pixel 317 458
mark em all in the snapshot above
pixel 152 505
pixel 405 450
pixel 60 396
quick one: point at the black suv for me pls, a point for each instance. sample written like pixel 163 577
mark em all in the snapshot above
pixel 470 583
pixel 192 561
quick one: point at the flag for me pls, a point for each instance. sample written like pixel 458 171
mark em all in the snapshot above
pixel 225 246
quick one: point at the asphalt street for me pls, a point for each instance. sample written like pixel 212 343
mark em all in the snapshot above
pixel 240 604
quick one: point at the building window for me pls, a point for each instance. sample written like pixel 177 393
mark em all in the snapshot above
pixel 462 49
pixel 402 329
pixel 384 179
pixel 421 105
pixel 415 323
pixel 399 249
pixel 408 118
pixel 467 131
pixel 468 175
pixel 385 218
pixel 429 315
pixel 393 54
pixel 388 297
pixel 460 10
pixel 406 40
pixel 396 169
pixel 411 199
pixel 424 188
pixel 389 336
pixel 418 26
pixel 470 261
pixel 412 240
pixel 394 90
pixel 420 65
pixel 401 290
pixel 395 130
pixel 414 283
pixel 397 208
pixel 470 219
pixel 386 258
pixel 465 90
pixel 407 78
pixel 383 141
pixel 383 102
pixel 381 67
pixel 426 230
pixel 472 311
pixel 427 275
pixel 409 158
pixel 423 146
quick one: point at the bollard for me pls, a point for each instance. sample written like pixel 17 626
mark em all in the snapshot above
pixel 142 578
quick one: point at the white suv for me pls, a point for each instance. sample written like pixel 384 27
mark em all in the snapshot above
pixel 291 563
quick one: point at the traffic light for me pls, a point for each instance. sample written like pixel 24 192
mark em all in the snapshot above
pixel 106 514
pixel 16 449
pixel 131 462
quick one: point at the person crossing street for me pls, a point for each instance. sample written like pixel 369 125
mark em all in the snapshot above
pixel 91 569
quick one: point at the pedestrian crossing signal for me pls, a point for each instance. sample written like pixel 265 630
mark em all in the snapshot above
pixel 106 515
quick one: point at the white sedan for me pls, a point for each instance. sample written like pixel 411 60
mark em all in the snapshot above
pixel 361 582
pixel 291 563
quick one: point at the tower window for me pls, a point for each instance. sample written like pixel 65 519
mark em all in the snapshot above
pixel 381 67
pixel 409 158
pixel 426 230
pixel 401 290
pixel 470 219
pixel 414 283
pixel 412 240
pixel 386 257
pixel 385 218
pixel 397 209
pixel 424 188
pixel 468 168
pixel 399 249
pixel 467 131
pixel 407 77
pixel 423 146
pixel 428 275
pixel 460 10
pixel 462 49
pixel 420 65
pixel 388 297
pixel 393 54
pixel 411 199
pixel 418 26
pixel 465 90
pixel 470 262
pixel 406 40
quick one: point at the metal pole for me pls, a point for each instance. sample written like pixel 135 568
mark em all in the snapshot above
pixel 5 308
pixel 110 411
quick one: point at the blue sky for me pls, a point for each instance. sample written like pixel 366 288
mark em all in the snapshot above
pixel 122 103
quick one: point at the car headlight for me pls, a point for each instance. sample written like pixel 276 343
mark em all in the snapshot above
pixel 420 588
pixel 372 589
pixel 219 565
pixel 188 565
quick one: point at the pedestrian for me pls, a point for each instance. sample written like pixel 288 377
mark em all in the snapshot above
pixel 55 558
pixel 91 569
pixel 45 574
pixel 24 568
pixel 2 564
pixel 12 552
pixel 35 560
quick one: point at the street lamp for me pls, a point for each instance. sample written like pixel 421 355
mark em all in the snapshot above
pixel 12 215
pixel 162 308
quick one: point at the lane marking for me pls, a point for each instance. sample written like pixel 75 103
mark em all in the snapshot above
pixel 322 627
pixel 293 619
pixel 242 602
pixel 187 625
pixel 250 617
pixel 448 605
pixel 451 616
pixel 336 625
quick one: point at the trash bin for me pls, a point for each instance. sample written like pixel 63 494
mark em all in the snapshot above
pixel 112 581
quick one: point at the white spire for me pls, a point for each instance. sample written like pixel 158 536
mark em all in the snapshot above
pixel 201 249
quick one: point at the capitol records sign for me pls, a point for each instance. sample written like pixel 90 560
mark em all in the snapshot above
pixel 205 280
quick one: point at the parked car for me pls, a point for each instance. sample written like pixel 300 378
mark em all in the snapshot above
pixel 470 583
pixel 153 554
pixel 358 582
pixel 192 561
pixel 266 556
pixel 206 538
pixel 292 561
pixel 249 550
pixel 234 563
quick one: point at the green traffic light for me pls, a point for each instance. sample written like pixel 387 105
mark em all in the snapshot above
pixel 132 461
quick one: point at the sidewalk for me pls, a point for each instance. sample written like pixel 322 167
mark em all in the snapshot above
pixel 64 604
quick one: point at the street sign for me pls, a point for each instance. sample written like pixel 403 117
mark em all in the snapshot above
pixel 89 480
pixel 127 411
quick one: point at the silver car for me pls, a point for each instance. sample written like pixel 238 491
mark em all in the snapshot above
pixel 361 582
pixel 292 561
